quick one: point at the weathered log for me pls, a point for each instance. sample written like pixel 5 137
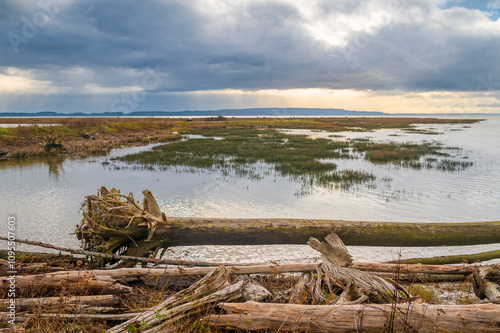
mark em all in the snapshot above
pixel 455 259
pixel 71 316
pixel 33 257
pixel 424 278
pixel 28 268
pixel 414 268
pixel 133 274
pixel 77 282
pixel 107 281
pixel 358 318
pixel 23 304
pixel 485 288
pixel 152 273
pixel 112 220
pixel 119 257
pixel 110 317
pixel 204 231
pixel 15 329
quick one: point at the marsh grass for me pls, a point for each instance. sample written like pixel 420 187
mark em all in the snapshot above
pixel 398 153
pixel 292 156
pixel 306 160
pixel 422 131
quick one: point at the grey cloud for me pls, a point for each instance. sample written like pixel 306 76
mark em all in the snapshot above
pixel 254 45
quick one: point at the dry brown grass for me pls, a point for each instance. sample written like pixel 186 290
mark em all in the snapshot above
pixel 110 133
pixel 73 144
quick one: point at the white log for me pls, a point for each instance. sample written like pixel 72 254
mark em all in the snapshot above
pixel 358 318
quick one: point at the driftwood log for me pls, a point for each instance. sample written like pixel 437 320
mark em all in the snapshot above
pixel 454 259
pixel 4 263
pixel 120 273
pixel 4 316
pixel 31 268
pixel 112 220
pixel 69 302
pixel 134 274
pixel 76 282
pixel 109 281
pixel 408 317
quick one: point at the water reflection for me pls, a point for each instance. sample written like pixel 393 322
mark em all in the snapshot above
pixel 45 194
pixel 55 164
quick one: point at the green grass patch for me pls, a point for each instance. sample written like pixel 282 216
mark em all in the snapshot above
pixel 5 131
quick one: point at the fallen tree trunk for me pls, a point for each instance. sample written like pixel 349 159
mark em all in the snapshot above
pixel 132 274
pixel 33 257
pixel 358 318
pixel 28 268
pixel 455 259
pixel 23 304
pixel 203 231
pixel 424 278
pixel 112 220
pixel 114 256
pixel 414 268
pixel 76 282
pixel 4 316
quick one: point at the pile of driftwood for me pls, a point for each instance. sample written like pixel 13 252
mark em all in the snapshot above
pixel 336 295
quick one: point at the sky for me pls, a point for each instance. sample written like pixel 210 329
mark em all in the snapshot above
pixel 122 55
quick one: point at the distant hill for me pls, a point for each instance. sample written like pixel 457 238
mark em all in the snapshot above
pixel 255 112
pixel 269 112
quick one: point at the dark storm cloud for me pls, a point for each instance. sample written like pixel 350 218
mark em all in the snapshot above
pixel 210 45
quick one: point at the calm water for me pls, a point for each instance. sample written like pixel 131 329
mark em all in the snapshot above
pixel 45 195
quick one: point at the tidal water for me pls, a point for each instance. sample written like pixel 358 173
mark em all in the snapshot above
pixel 45 195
